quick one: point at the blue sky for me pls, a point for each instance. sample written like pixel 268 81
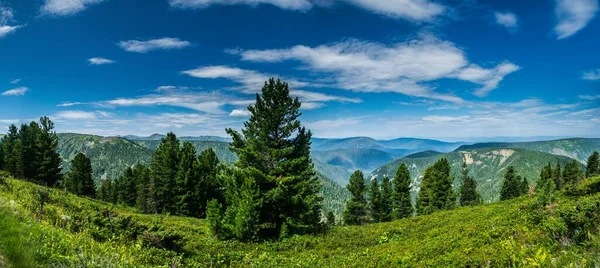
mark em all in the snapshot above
pixel 378 68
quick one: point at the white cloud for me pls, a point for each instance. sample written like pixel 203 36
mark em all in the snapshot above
pixel 300 5
pixel 592 75
pixel 402 67
pixel 100 61
pixel 20 91
pixel 589 97
pixel 15 81
pixel 573 15
pixel 506 19
pixel 69 104
pixel 253 81
pixel 171 88
pixel 5 30
pixel 66 7
pixel 154 44
pixel 240 113
pixel 80 115
pixel 443 118
pixel 416 10
pixel 7 17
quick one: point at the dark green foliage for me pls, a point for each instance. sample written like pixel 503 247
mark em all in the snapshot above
pixel 105 191
pixel 12 157
pixel 514 186
pixel 401 202
pixel 187 199
pixel 375 204
pixel 208 186
pixel 356 208
pixel 557 176
pixel 572 173
pixel 330 218
pixel 214 218
pixel 28 150
pixel 593 165
pixel 48 164
pixel 436 189
pixel 164 166
pixel 386 199
pixel 468 189
pixel 285 177
pixel 79 180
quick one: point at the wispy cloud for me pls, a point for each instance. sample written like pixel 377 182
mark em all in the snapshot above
pixel 252 81
pixel 20 91
pixel 591 75
pixel 171 88
pixel 66 7
pixel 414 10
pixel 75 114
pixel 507 19
pixel 100 61
pixel 15 81
pixel 165 43
pixel 589 97
pixel 240 113
pixel 573 15
pixel 6 18
pixel 402 67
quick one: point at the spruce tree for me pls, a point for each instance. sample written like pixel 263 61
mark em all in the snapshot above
pixel 512 185
pixel 105 191
pixel 546 174
pixel 330 218
pixel 79 179
pixel 386 199
pixel 11 156
pixel 593 165
pixel 401 203
pixel 209 186
pixel 572 173
pixel 436 188
pixel 274 142
pixel 29 153
pixel 557 176
pixel 143 200
pixel 468 189
pixel 244 204
pixel 375 204
pixel 48 162
pixel 524 186
pixel 164 166
pixel 187 182
pixel 355 212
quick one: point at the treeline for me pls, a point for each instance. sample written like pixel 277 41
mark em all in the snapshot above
pixel 391 200
pixel 176 182
pixel 29 152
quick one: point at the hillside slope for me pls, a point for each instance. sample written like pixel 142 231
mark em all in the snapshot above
pixel 486 165
pixel 80 232
pixel 353 159
pixel 396 147
pixel 576 148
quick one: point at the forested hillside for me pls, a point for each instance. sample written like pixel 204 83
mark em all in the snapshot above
pixel 353 159
pixel 486 166
pixel 576 148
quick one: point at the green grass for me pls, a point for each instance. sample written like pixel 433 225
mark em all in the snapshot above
pixel 510 233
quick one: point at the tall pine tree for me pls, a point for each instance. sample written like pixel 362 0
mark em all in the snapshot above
pixel 48 164
pixel 513 184
pixel 375 204
pixel 401 203
pixel 79 180
pixel 209 186
pixel 355 212
pixel 274 142
pixel 164 166
pixel 572 173
pixel 593 165
pixel 468 189
pixel 436 188
pixel 11 156
pixel 386 199
pixel 187 182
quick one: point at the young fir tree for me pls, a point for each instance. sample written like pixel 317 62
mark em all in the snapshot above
pixel 401 203
pixel 48 164
pixel 524 186
pixel 164 166
pixel 545 175
pixel 468 189
pixel 593 165
pixel 557 176
pixel 386 199
pixel 330 218
pixel 79 181
pixel 11 157
pixel 512 185
pixel 187 182
pixel 105 191
pixel 572 173
pixel 375 204
pixel 29 152
pixel 436 188
pixel 242 218
pixel 275 143
pixel 355 212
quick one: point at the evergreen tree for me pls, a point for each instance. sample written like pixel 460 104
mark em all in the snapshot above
pixel 289 186
pixel 545 175
pixel 330 218
pixel 572 173
pixel 557 176
pixel 468 189
pixel 386 199
pixel 512 185
pixel 209 186
pixel 187 202
pixel 105 191
pixel 79 180
pixel 593 165
pixel 48 162
pixel 11 156
pixel 355 212
pixel 524 186
pixel 436 188
pixel 164 166
pixel 375 201
pixel 401 202
pixel 143 200
pixel 29 153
